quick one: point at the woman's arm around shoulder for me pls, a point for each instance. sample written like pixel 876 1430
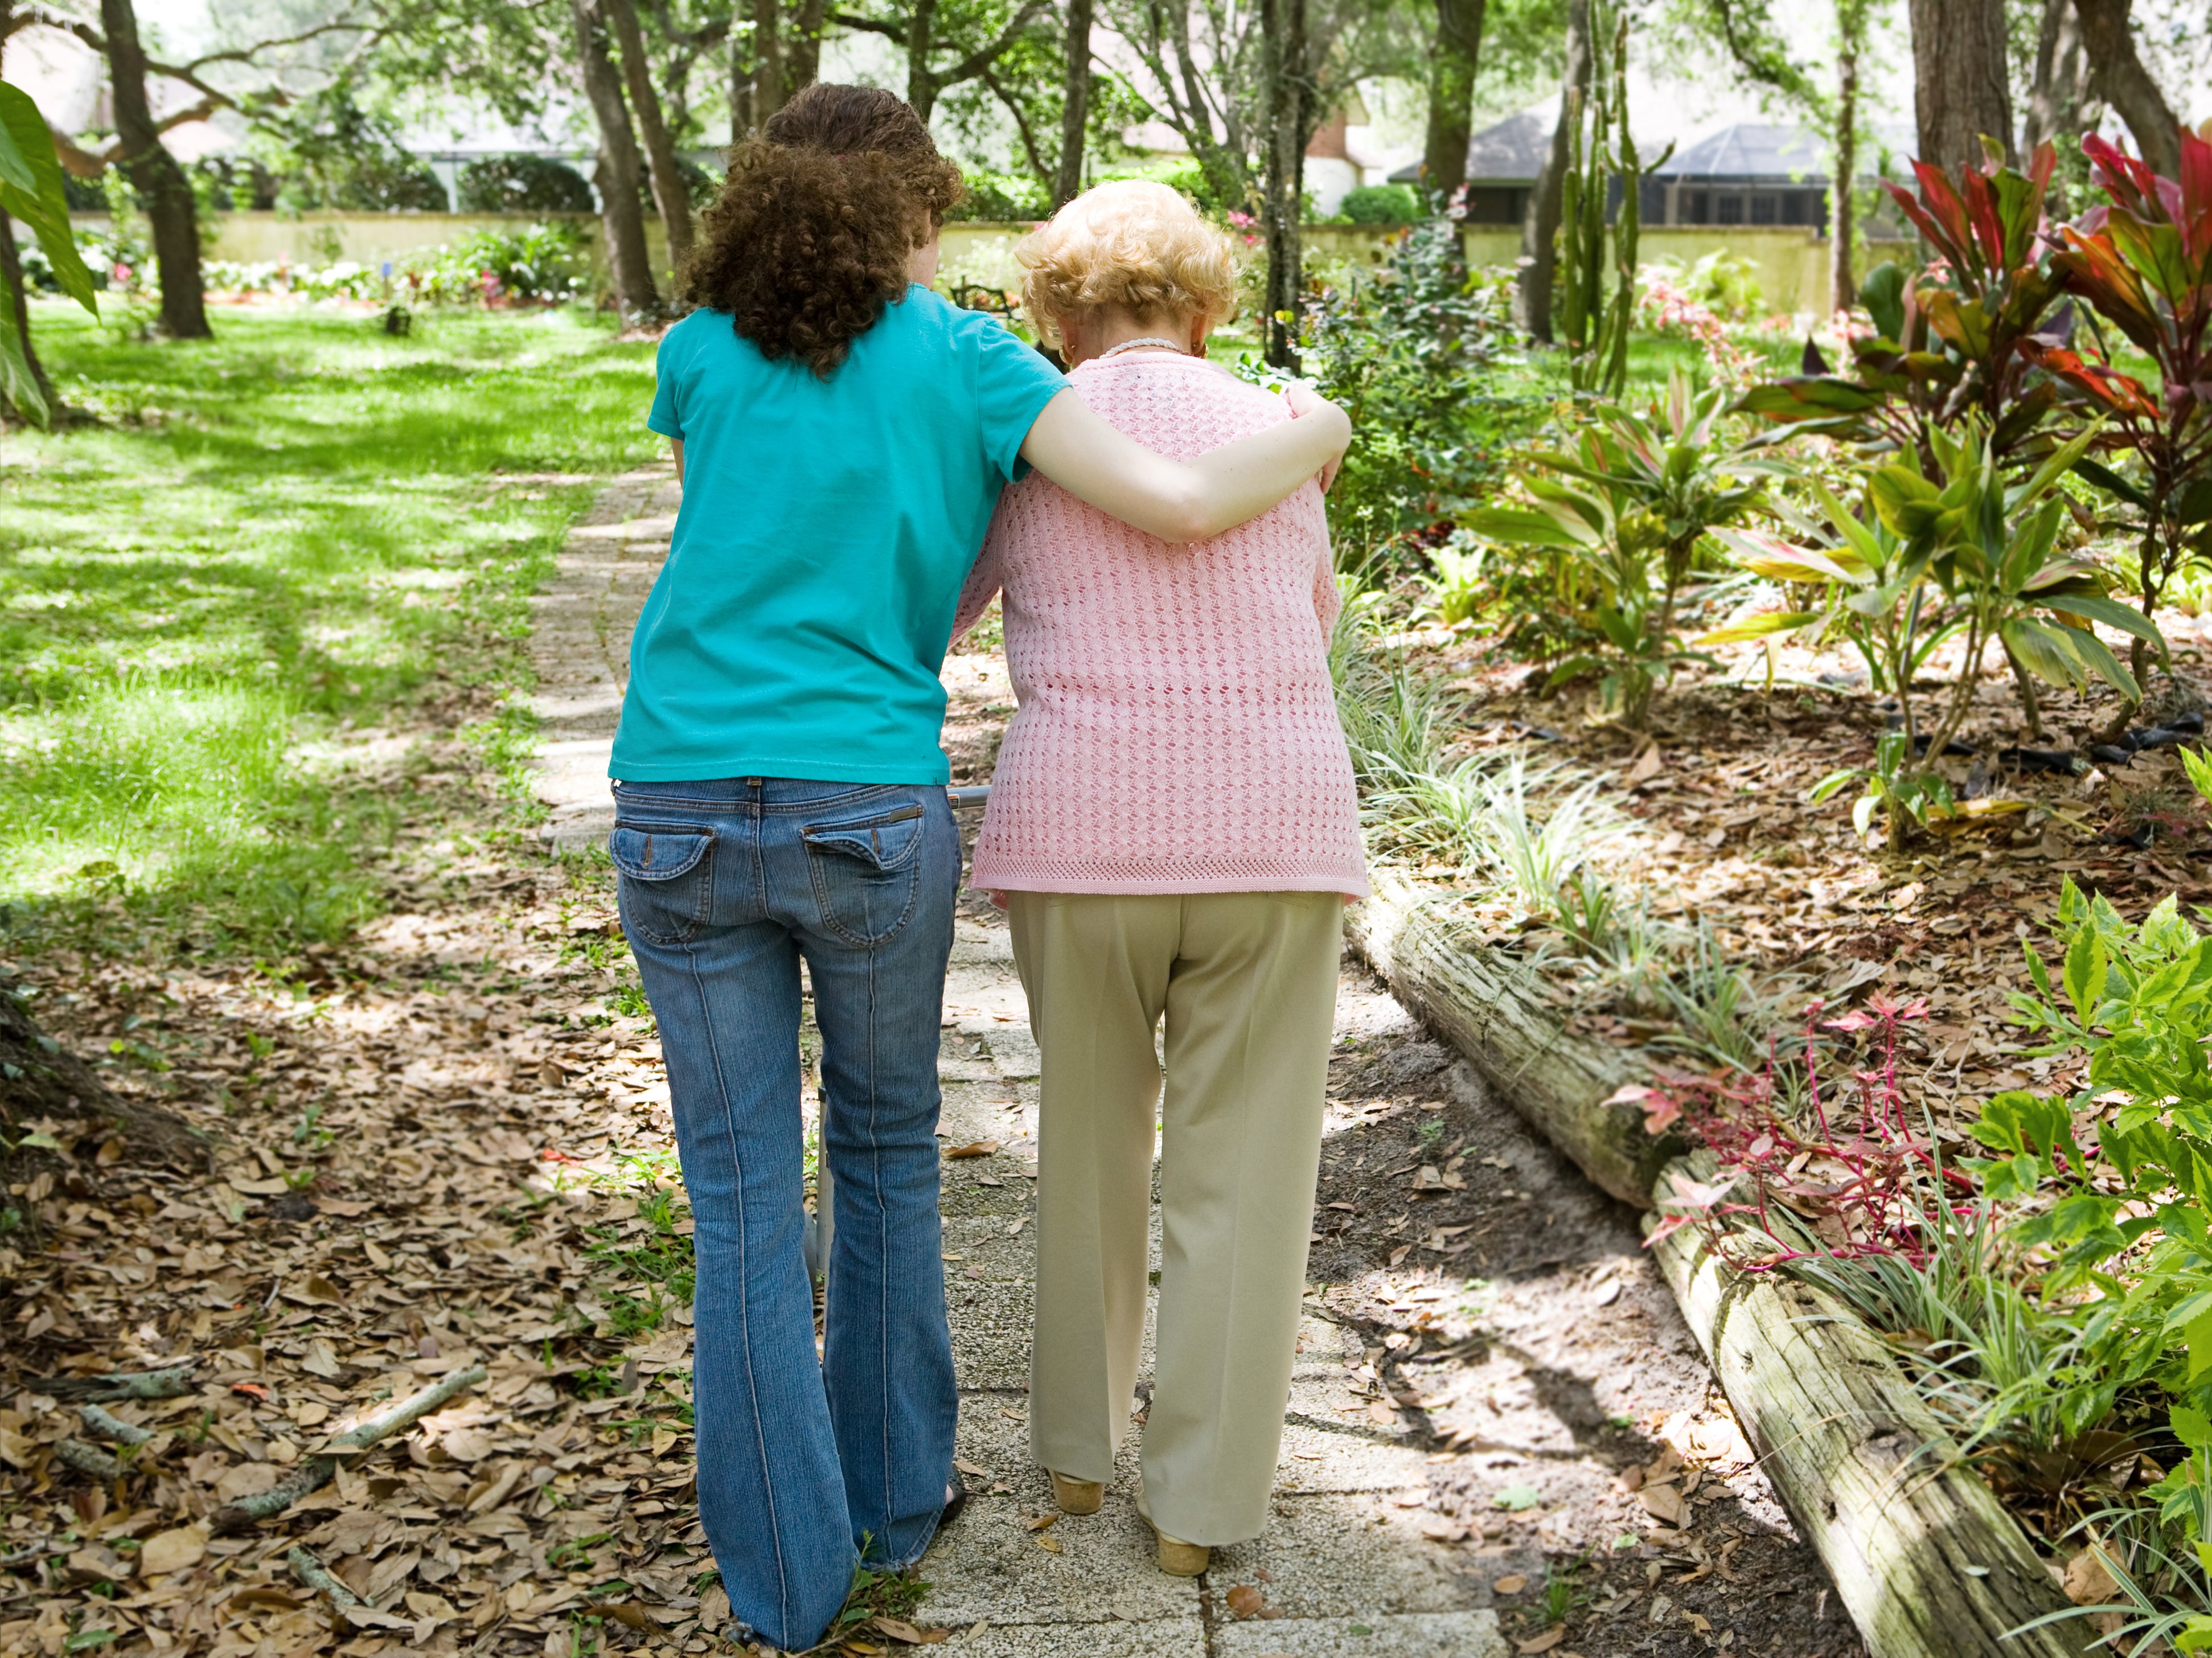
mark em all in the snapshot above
pixel 1179 500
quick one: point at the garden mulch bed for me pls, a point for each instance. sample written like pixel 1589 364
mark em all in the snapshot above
pixel 1721 832
pixel 401 1129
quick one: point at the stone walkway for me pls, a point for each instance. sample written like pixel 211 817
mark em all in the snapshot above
pixel 1342 1569
pixel 580 625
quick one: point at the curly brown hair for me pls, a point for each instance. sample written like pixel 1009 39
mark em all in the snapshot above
pixel 810 238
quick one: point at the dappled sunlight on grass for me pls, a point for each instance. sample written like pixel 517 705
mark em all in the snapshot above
pixel 265 543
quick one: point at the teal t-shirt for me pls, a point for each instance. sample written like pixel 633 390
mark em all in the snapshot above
pixel 799 625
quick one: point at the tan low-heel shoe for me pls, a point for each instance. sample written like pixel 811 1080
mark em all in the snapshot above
pixel 1077 1496
pixel 1177 1557
pixel 1181 1559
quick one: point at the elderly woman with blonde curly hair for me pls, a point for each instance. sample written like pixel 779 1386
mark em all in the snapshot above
pixel 1174 828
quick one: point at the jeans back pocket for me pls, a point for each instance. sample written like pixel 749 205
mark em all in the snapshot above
pixel 866 871
pixel 666 888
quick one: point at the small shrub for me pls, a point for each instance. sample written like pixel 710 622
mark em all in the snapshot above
pixel 1415 353
pixel 1379 204
pixel 997 197
pixel 522 184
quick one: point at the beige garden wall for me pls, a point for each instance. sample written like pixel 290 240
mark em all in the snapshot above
pixel 1792 264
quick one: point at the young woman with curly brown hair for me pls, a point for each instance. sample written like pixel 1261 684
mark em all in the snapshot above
pixel 842 434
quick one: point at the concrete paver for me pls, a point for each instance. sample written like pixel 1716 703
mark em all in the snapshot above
pixel 580 628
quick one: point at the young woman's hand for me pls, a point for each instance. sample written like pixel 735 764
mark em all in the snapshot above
pixel 1305 405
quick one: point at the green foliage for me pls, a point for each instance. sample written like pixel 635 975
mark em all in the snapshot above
pixel 1725 284
pixel 330 152
pixel 1000 197
pixel 1189 176
pixel 522 184
pixel 1379 204
pixel 1632 503
pixel 2121 1172
pixel 266 542
pixel 31 191
pixel 1456 591
pixel 1965 552
pixel 1601 155
pixel 1419 354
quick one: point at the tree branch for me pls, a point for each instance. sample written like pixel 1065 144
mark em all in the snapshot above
pixel 897 32
pixel 700 40
pixel 983 57
pixel 1021 124
pixel 246 54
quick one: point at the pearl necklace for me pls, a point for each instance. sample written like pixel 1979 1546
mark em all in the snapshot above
pixel 1149 339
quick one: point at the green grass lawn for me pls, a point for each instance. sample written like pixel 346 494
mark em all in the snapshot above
pixel 267 544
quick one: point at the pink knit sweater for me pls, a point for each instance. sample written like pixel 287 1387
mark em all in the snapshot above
pixel 1176 731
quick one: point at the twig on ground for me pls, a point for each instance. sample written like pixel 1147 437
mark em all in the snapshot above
pixel 316 1472
pixel 172 1383
pixel 88 1459
pixel 37 1552
pixel 317 1576
pixel 114 1427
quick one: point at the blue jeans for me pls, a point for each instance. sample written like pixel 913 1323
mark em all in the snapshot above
pixel 726 888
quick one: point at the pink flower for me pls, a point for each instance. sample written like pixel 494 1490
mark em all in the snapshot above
pixel 122 271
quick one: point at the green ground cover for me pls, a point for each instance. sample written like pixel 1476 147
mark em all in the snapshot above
pixel 269 550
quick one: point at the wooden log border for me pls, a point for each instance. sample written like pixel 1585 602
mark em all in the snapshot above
pixel 1923 1557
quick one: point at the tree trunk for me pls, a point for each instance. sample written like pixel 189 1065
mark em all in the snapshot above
pixel 742 120
pixel 2117 73
pixel 1961 92
pixel 619 177
pixel 1492 1006
pixel 802 58
pixel 1075 105
pixel 1451 97
pixel 2062 80
pixel 668 193
pixel 1842 287
pixel 1885 1496
pixel 148 165
pixel 1282 49
pixel 767 59
pixel 1539 227
pixel 921 36
pixel 17 298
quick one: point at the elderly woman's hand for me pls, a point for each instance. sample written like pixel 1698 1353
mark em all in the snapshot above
pixel 1305 402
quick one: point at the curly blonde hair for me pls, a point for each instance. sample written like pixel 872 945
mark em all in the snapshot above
pixel 1130 246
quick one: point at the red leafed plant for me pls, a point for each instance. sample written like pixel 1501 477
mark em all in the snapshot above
pixel 1853 1181
pixel 2143 262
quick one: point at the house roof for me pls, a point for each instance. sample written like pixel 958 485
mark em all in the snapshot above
pixel 1510 152
pixel 1750 149
pixel 1513 151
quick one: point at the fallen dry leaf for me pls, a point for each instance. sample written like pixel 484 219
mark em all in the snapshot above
pixel 2089 1581
pixel 1663 1502
pixel 1245 1600
pixel 975 1149
pixel 899 1630
pixel 1511 1583
pixel 1543 1642
pixel 172 1550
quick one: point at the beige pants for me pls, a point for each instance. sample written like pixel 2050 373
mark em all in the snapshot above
pixel 1247 981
